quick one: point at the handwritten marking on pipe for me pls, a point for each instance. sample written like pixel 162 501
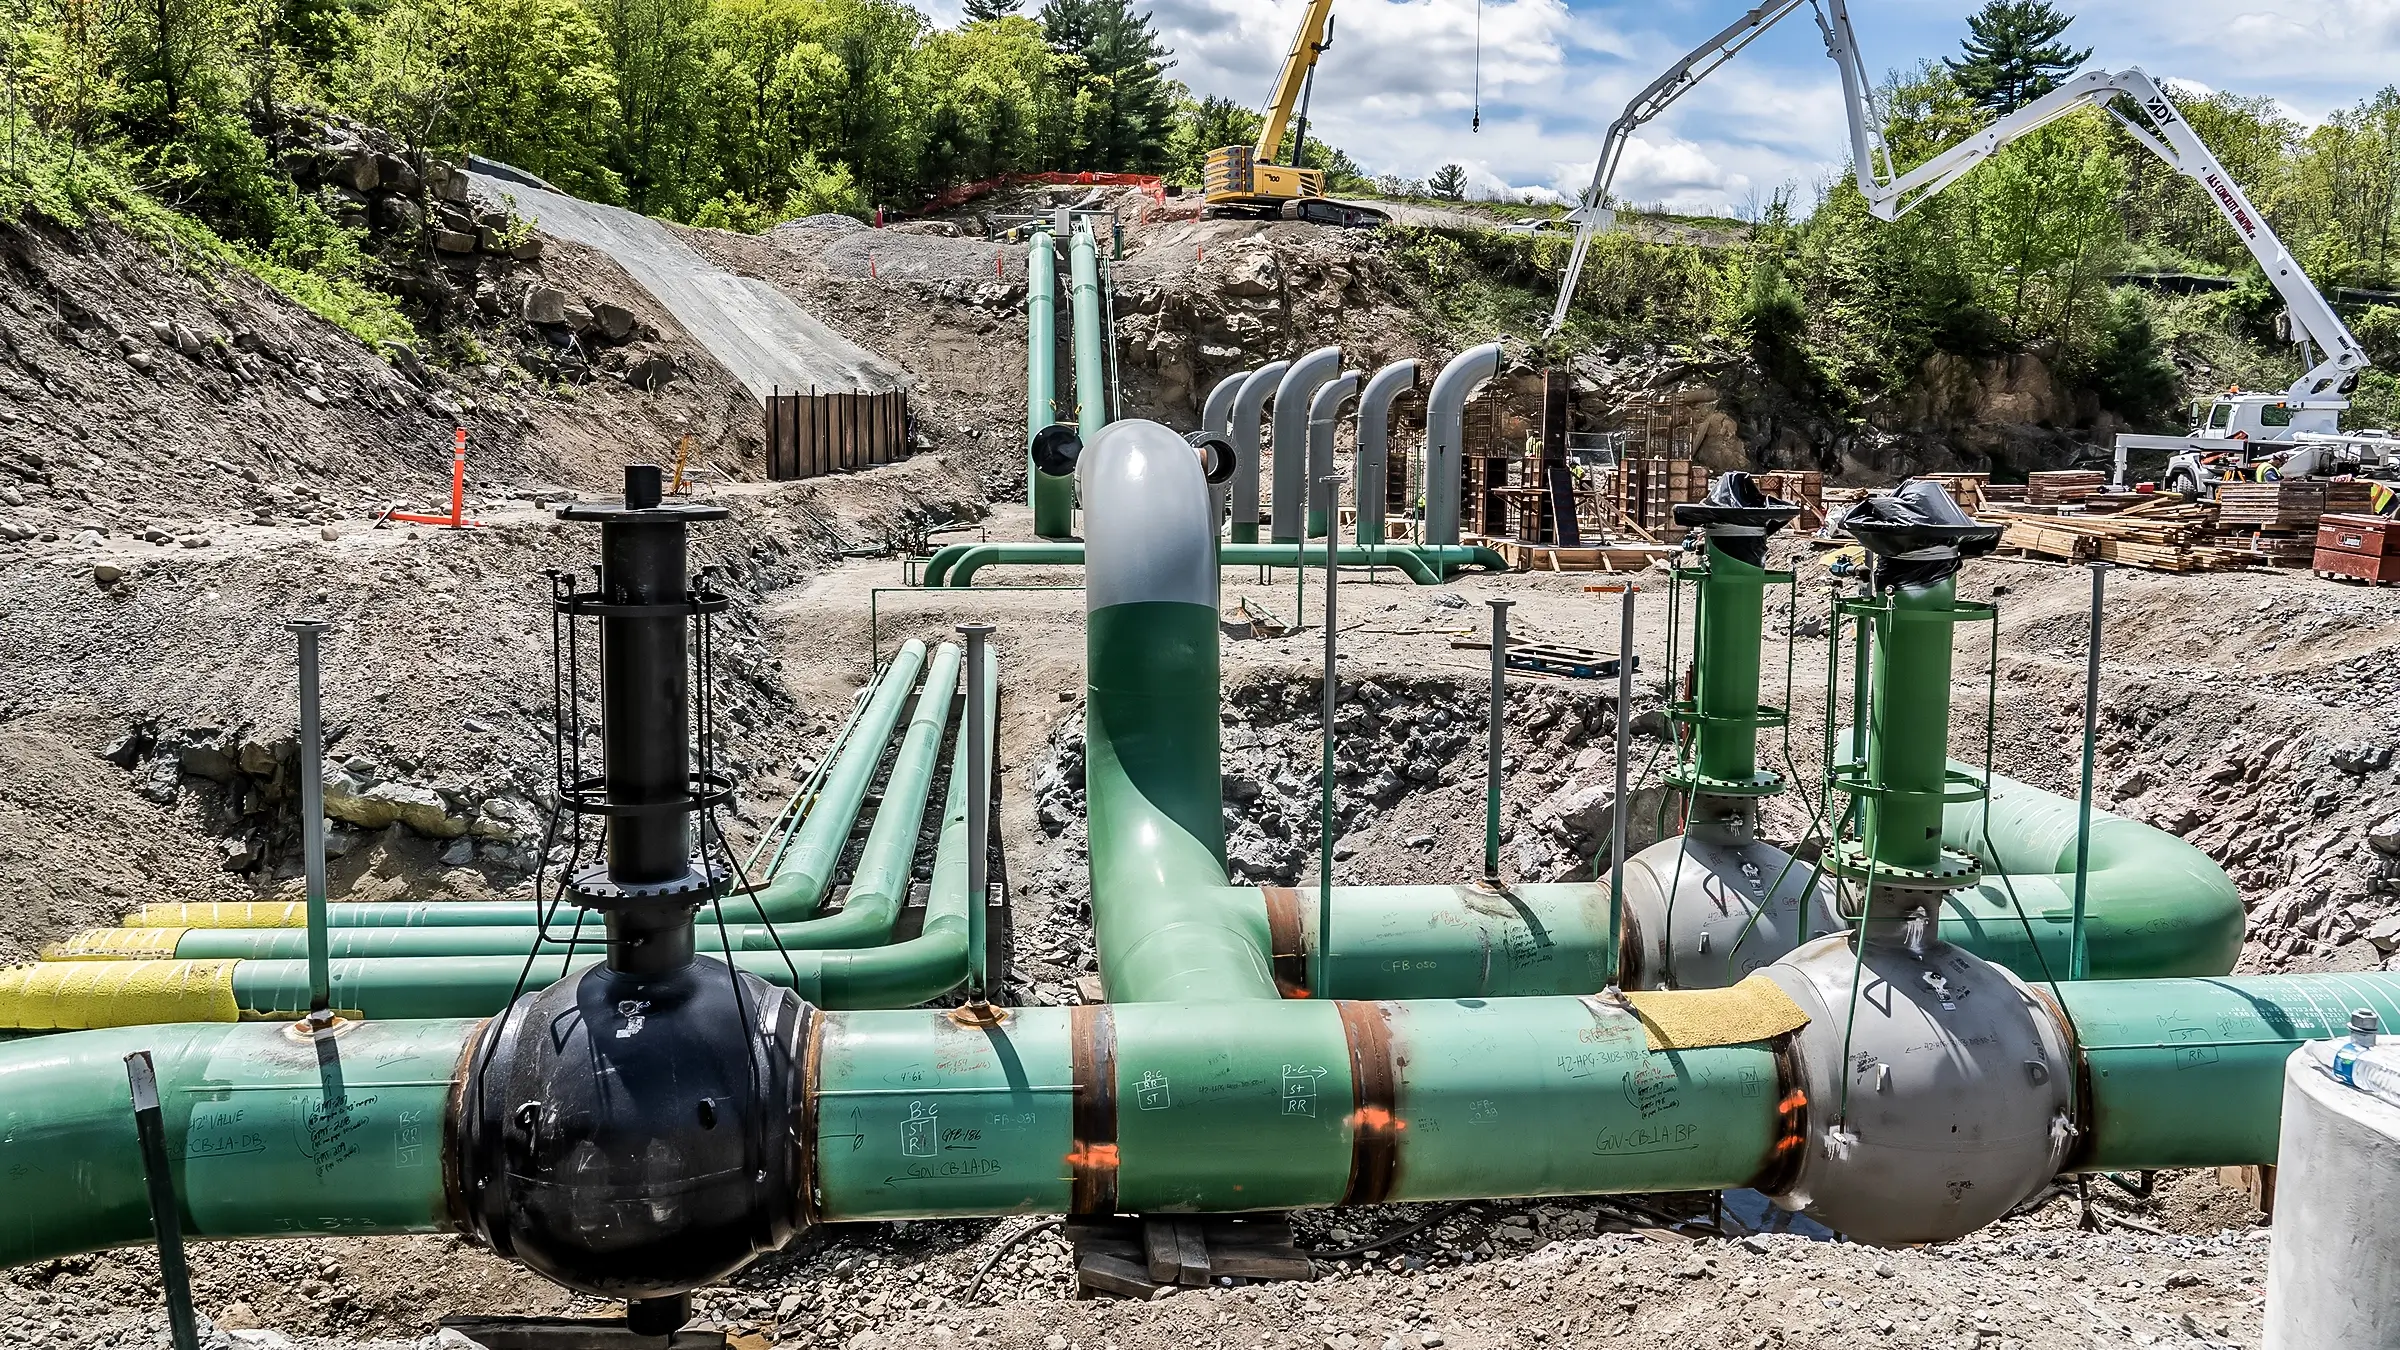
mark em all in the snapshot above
pixel 1300 1088
pixel 1152 1092
pixel 1679 1138
pixel 918 1133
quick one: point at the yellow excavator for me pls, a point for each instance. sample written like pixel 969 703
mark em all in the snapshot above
pixel 1244 180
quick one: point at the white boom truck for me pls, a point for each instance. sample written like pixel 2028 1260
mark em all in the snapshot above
pixel 2294 433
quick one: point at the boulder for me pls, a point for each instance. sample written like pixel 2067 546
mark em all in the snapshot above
pixel 650 372
pixel 373 807
pixel 2385 838
pixel 545 305
pixel 359 170
pixel 453 241
pixel 393 174
pixel 616 322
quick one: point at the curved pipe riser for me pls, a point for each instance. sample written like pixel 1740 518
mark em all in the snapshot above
pixel 1371 481
pixel 1292 397
pixel 1445 412
pixel 1249 407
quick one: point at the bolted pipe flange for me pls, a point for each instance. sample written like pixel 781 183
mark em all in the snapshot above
pixel 1938 1098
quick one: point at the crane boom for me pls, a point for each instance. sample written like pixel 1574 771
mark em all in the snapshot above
pixel 1307 42
pixel 1891 194
pixel 1592 214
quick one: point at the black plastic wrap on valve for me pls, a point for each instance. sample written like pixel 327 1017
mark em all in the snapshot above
pixel 1738 517
pixel 1917 534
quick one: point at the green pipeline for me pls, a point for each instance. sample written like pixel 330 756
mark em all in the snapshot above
pixel 788 900
pixel 878 886
pixel 1053 495
pixel 1091 352
pixel 81 995
pixel 1725 699
pixel 955 565
pixel 270 1134
pixel 2156 906
pixel 1908 753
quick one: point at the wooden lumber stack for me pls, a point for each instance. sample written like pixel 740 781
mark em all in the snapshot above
pixel 2062 487
pixel 2003 494
pixel 2165 533
pixel 2294 505
pixel 1616 557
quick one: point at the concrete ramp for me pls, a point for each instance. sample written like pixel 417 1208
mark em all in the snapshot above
pixel 753 329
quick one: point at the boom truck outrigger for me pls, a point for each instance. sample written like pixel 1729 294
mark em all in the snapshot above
pixel 2293 433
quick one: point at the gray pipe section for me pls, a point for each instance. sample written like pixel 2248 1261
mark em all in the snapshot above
pixel 1216 417
pixel 1300 384
pixel 1370 483
pixel 1144 535
pixel 1324 414
pixel 1445 410
pixel 1243 432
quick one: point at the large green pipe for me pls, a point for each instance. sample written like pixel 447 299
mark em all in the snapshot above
pixel 1052 495
pixel 1235 1106
pixel 1732 617
pixel 878 885
pixel 2157 906
pixel 1426 564
pixel 1091 353
pixel 798 886
pixel 2189 1073
pixel 1909 747
pixel 270 1134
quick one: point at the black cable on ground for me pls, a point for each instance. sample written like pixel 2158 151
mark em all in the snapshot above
pixel 1007 1245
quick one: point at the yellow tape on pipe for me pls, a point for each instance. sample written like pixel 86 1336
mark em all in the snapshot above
pixel 226 914
pixel 117 944
pixel 1679 1019
pixel 84 995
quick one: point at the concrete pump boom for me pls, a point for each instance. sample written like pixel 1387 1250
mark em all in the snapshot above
pixel 1891 194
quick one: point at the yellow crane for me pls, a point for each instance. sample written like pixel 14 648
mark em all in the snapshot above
pixel 1245 180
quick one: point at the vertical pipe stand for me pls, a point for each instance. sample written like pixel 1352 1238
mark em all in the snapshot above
pixel 979 819
pixel 1332 691
pixel 1494 743
pixel 1617 814
pixel 2078 959
pixel 174 1273
pixel 312 825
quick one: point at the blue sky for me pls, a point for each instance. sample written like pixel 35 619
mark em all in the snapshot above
pixel 1395 90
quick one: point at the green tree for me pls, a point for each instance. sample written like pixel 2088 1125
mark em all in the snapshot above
pixel 984 11
pixel 659 58
pixel 1124 104
pixel 1203 125
pixel 1448 182
pixel 2128 370
pixel 984 81
pixel 2013 55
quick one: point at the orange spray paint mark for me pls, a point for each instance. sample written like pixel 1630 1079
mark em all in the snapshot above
pixel 1093 1155
pixel 1792 1103
pixel 1376 1118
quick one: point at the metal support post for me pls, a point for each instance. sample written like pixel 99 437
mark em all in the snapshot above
pixel 312 825
pixel 1322 986
pixel 2078 959
pixel 979 813
pixel 1616 825
pixel 174 1273
pixel 1493 743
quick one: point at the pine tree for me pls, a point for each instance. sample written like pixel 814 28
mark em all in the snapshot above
pixel 1123 80
pixel 2013 55
pixel 980 11
pixel 1448 181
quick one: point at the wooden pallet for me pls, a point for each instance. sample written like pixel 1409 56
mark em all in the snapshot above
pixel 1553 658
pixel 1135 1257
